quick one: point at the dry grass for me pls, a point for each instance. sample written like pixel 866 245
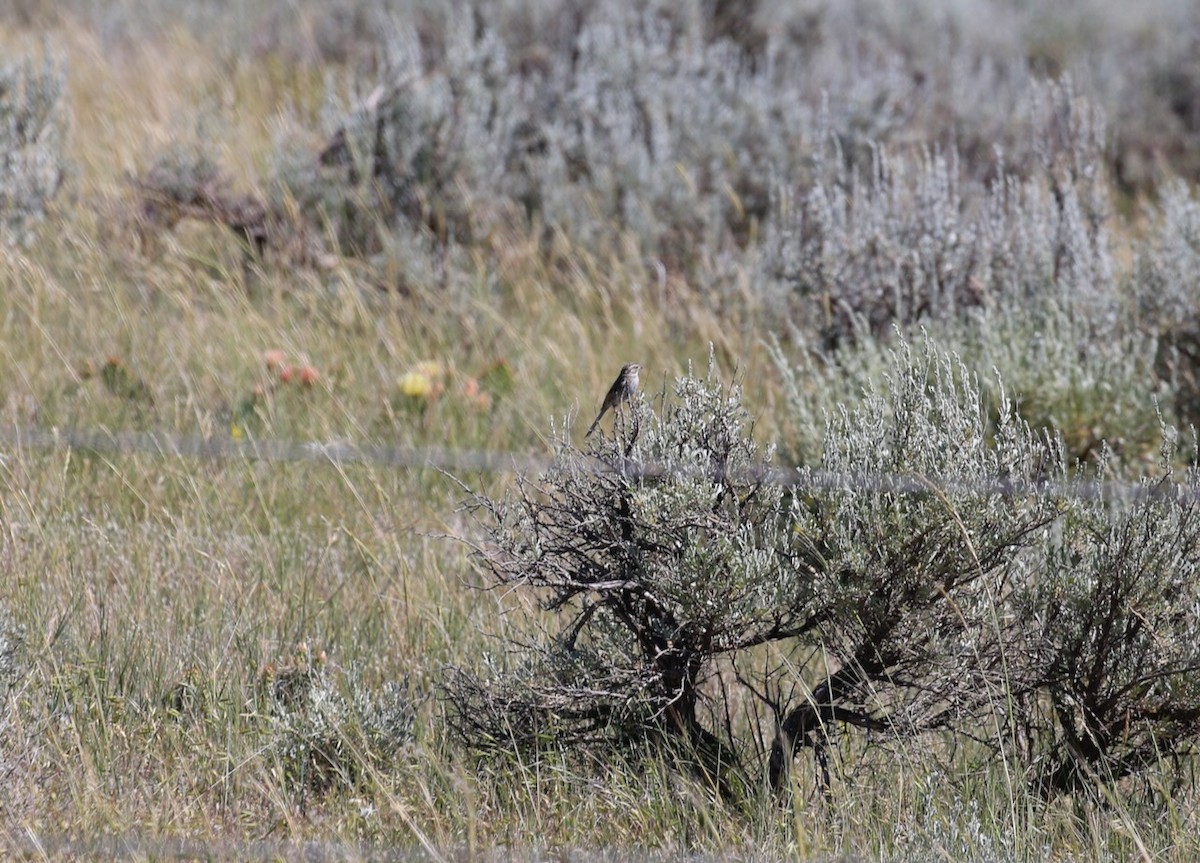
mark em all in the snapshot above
pixel 158 598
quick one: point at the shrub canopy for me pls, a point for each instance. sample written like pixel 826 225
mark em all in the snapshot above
pixel 937 573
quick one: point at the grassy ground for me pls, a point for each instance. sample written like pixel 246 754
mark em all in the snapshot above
pixel 160 606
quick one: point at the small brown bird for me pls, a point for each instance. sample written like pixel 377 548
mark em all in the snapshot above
pixel 620 392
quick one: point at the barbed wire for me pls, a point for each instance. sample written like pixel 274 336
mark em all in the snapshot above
pixel 274 450
pixel 166 445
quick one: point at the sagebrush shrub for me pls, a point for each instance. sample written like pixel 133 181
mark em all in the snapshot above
pixel 325 739
pixel 912 239
pixel 32 126
pixel 915 626
pixel 660 549
pixel 941 571
pixel 1115 637
pixel 1167 275
pixel 1095 394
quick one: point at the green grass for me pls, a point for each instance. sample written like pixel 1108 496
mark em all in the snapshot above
pixel 155 599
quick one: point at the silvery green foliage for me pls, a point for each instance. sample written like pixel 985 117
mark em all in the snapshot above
pixel 1072 619
pixel 933 69
pixel 31 133
pixel 969 836
pixel 917 574
pixel 677 125
pixel 938 572
pixel 1094 392
pixel 388 153
pixel 669 137
pixel 12 652
pixel 1060 377
pixel 385 718
pixel 844 166
pixel 910 240
pixel 1168 268
pixel 894 594
pixel 629 125
pixel 816 384
pixel 1115 635
pixel 853 253
pixel 1015 275
pixel 659 549
pixel 324 739
pixel 308 719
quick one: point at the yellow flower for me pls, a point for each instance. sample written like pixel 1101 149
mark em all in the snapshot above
pixel 416 385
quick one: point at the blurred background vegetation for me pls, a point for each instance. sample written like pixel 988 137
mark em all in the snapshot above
pixel 440 223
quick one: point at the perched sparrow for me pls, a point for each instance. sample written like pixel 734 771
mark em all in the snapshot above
pixel 620 392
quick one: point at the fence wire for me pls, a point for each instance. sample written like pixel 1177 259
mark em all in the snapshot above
pixel 463 461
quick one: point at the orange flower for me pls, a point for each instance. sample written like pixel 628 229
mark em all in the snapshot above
pixel 309 376
pixel 275 359
pixel 475 395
